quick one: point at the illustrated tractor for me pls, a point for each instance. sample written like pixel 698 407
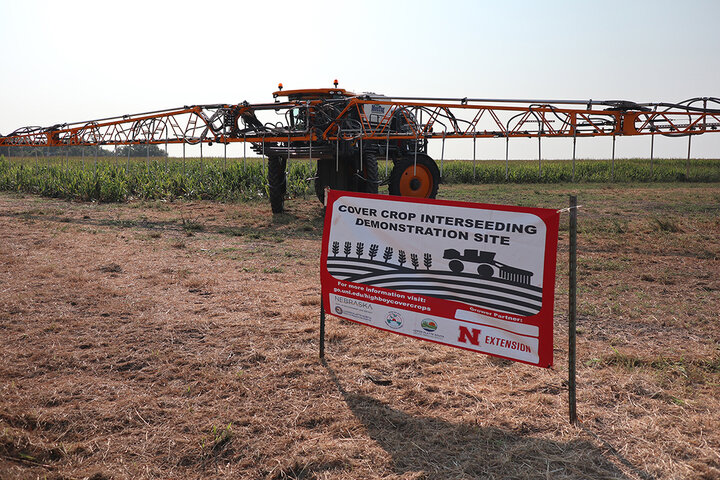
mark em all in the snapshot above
pixel 487 266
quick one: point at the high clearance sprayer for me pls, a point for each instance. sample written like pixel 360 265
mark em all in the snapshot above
pixel 347 133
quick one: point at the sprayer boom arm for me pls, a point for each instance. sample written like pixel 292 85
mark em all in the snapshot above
pixel 346 116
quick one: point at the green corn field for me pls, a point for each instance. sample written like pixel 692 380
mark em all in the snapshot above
pixel 113 180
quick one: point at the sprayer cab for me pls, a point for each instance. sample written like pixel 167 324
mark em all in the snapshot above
pixel 313 94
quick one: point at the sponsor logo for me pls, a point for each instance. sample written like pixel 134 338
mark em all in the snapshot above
pixel 354 303
pixel 468 335
pixel 377 109
pixel 428 325
pixel 394 320
pixel 428 329
pixel 352 309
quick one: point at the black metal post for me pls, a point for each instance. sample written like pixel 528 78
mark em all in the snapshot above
pixel 387 153
pixel 167 135
pixel 507 157
pixel 474 150
pixel 612 170
pixel 652 155
pixel 442 155
pixel 540 134
pixel 574 148
pixel 687 164
pixel 572 314
pixel 322 328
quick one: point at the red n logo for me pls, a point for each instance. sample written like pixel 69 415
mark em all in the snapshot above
pixel 466 336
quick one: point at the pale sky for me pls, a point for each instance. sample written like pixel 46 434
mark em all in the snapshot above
pixel 76 60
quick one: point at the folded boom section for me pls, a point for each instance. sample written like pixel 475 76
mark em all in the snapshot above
pixel 348 133
pixel 296 123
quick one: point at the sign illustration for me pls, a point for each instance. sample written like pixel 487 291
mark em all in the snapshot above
pixel 474 276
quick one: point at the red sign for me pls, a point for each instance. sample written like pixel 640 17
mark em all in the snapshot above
pixel 474 276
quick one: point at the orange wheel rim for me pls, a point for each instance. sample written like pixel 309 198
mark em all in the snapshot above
pixel 416 181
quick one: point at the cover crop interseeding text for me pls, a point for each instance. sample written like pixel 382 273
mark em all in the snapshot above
pixel 441 226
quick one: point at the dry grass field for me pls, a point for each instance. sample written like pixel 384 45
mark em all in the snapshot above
pixel 180 340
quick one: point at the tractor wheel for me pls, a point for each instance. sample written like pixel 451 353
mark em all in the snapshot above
pixel 333 174
pixel 485 271
pixel 369 182
pixel 456 266
pixel 411 179
pixel 277 183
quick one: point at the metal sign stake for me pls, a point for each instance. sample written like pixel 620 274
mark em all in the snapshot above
pixel 322 326
pixel 572 311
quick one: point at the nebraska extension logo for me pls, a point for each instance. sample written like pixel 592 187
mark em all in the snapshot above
pixel 394 320
pixel 472 336
pixel 467 336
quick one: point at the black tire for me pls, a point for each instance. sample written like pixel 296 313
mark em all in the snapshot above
pixel 277 183
pixel 456 266
pixel 485 271
pixel 415 180
pixel 369 182
pixel 330 173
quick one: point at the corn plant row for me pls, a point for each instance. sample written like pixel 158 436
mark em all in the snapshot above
pixel 217 179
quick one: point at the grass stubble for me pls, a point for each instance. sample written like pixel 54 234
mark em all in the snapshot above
pixel 179 340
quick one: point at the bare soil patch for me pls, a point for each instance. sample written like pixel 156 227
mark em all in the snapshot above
pixel 180 340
